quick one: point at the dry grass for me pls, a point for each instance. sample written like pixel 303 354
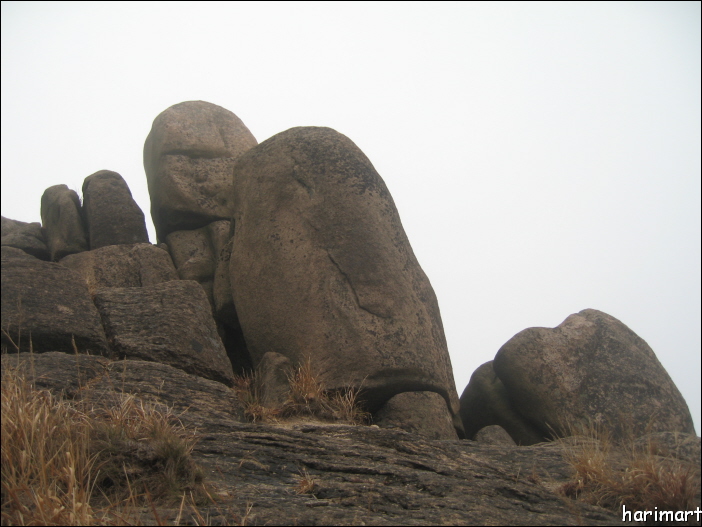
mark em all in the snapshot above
pixel 307 397
pixel 306 483
pixel 67 465
pixel 248 391
pixel 611 474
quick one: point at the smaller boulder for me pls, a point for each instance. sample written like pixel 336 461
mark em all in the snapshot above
pixel 112 217
pixel 423 413
pixel 591 368
pixel 494 435
pixel 485 402
pixel 25 236
pixel 63 223
pixel 273 379
pixel 189 155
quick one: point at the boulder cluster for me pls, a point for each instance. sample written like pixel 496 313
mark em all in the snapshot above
pixel 270 255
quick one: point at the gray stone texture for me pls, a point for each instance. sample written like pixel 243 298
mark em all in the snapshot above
pixel 48 304
pixel 362 475
pixel 485 402
pixel 111 215
pixel 195 253
pixel 591 368
pixel 25 236
pixel 136 265
pixel 273 379
pixel 62 222
pixel 224 308
pixel 170 323
pixel 494 435
pixel 321 268
pixel 188 158
pixel 422 413
pixel 100 382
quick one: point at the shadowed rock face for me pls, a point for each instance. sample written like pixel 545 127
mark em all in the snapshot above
pixel 25 236
pixel 62 222
pixel 49 305
pixel 591 367
pixel 170 323
pixel 485 403
pixel 188 159
pixel 112 217
pixel 321 268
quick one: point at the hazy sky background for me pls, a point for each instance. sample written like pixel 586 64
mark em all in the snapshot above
pixel 544 157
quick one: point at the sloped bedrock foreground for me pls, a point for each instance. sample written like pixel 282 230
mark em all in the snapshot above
pixel 362 475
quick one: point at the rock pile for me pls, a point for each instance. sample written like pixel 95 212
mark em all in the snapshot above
pixel 289 251
pixel 291 248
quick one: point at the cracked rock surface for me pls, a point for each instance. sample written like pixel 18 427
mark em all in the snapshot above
pixel 311 473
pixel 321 268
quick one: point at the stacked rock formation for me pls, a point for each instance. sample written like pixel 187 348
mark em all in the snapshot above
pixel 274 254
pixel 298 251
pixel 590 370
pixel 88 281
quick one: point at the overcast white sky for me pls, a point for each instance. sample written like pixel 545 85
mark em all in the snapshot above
pixel 544 157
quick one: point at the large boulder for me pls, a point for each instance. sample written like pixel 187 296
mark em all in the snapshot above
pixel 49 305
pixel 170 323
pixel 112 217
pixel 321 268
pixel 25 236
pixel 136 265
pixel 485 402
pixel 590 369
pixel 188 158
pixel 62 222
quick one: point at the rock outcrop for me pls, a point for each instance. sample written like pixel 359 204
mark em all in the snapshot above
pixel 291 251
pixel 196 252
pixel 485 402
pixel 25 236
pixel 48 307
pixel 137 265
pixel 355 475
pixel 170 323
pixel 112 217
pixel 62 222
pixel 321 269
pixel 590 370
pixel 188 158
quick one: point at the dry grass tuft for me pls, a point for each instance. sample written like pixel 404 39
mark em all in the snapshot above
pixel 611 474
pixel 306 483
pixel 248 391
pixel 66 465
pixel 307 398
